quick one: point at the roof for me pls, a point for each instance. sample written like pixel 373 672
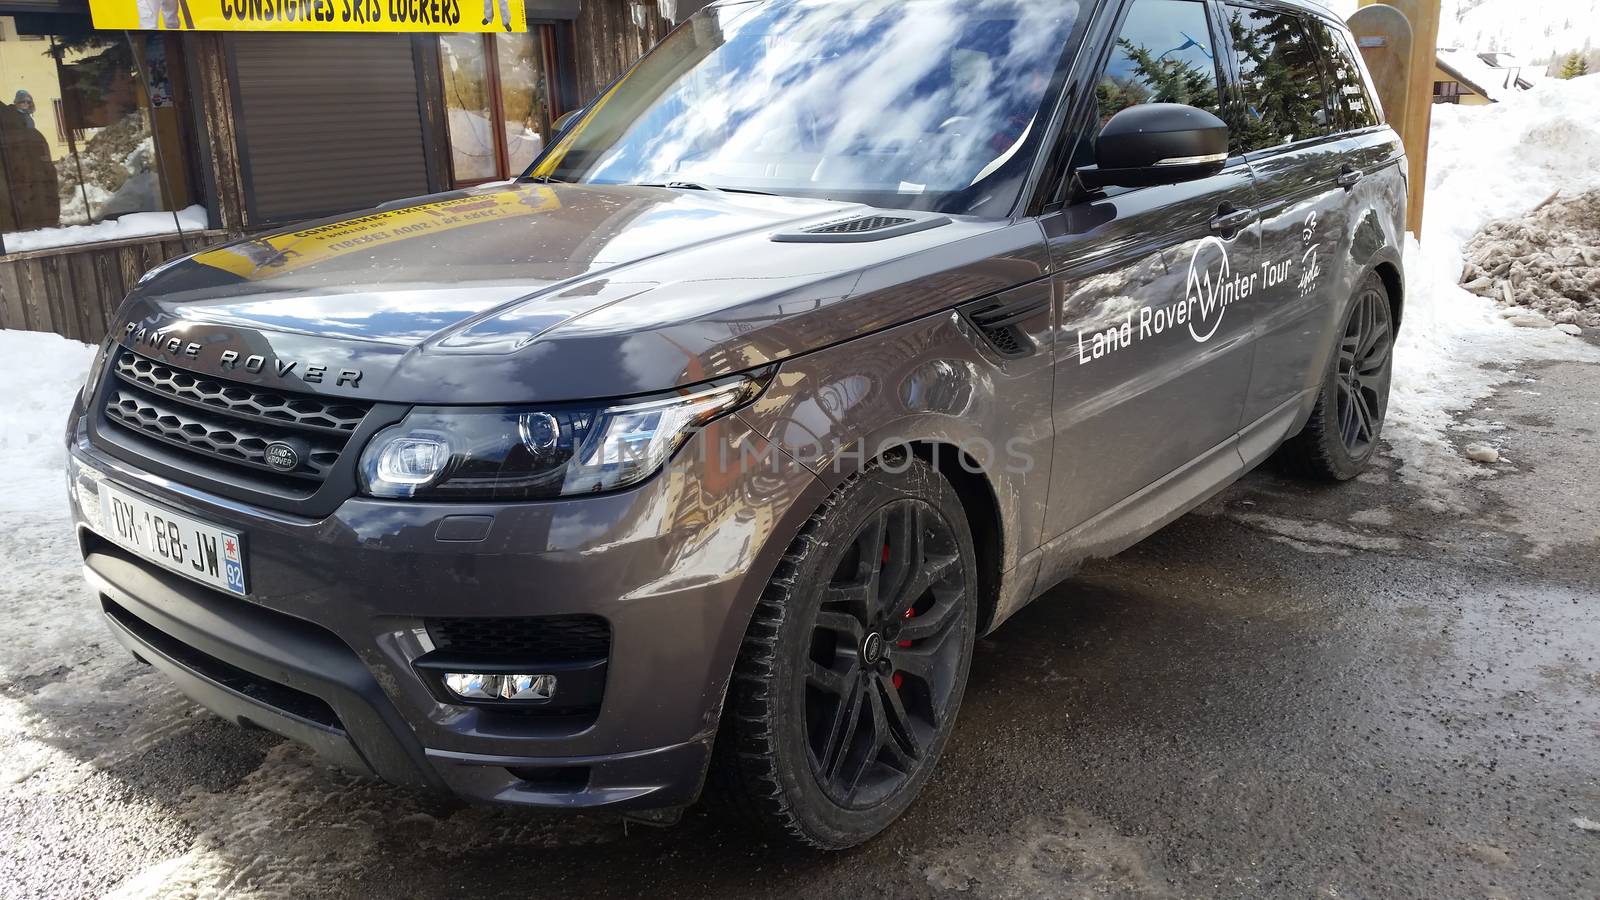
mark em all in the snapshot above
pixel 1494 75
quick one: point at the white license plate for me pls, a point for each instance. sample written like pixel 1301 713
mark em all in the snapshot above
pixel 204 552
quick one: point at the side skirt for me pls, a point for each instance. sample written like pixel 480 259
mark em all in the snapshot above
pixel 1159 504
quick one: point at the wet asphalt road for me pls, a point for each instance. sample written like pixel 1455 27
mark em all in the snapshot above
pixel 1296 691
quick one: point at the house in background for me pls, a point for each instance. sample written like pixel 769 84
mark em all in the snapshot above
pixel 1475 79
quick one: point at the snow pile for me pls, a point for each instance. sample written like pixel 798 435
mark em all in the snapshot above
pixel 45 372
pixel 1492 162
pixel 130 225
pixel 1484 163
pixel 1549 261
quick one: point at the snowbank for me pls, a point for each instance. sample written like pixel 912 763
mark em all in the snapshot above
pixel 139 224
pixel 44 372
pixel 1484 163
pixel 1548 260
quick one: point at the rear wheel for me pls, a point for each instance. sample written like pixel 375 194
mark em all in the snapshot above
pixel 854 665
pixel 1342 434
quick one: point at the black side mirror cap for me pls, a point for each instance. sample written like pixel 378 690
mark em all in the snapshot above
pixel 1157 143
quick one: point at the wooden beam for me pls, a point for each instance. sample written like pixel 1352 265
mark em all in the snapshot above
pixel 1423 15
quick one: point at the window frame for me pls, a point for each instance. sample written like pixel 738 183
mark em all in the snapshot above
pixel 1082 121
pixel 555 76
pixel 180 159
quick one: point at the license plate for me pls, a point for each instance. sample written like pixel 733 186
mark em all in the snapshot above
pixel 188 546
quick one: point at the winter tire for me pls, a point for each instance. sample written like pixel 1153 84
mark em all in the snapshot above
pixel 855 662
pixel 1342 434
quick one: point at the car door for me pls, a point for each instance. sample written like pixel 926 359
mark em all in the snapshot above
pixel 1287 122
pixel 1152 359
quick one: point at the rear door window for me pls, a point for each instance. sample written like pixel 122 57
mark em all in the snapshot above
pixel 1355 106
pixel 1285 97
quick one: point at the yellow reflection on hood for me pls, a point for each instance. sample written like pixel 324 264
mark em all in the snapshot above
pixel 280 254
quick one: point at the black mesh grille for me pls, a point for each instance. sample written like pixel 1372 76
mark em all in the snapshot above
pixel 241 400
pixel 228 421
pixel 537 639
pixel 1005 340
pixel 859 226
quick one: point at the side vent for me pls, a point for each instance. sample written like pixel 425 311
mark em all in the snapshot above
pixel 861 229
pixel 1000 320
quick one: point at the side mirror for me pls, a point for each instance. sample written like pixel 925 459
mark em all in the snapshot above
pixel 565 119
pixel 1157 143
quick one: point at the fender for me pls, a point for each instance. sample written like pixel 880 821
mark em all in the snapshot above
pixel 932 381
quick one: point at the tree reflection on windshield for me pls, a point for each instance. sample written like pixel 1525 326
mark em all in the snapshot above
pixel 927 104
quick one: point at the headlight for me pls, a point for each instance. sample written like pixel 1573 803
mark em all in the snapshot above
pixel 530 453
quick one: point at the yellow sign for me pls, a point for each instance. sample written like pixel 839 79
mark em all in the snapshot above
pixel 308 15
pixel 280 254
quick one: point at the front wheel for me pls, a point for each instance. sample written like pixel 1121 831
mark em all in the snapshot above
pixel 855 662
pixel 1341 436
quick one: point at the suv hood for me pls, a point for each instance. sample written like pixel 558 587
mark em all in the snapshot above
pixel 529 292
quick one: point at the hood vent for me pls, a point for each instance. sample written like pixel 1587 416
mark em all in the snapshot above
pixel 860 229
pixel 858 226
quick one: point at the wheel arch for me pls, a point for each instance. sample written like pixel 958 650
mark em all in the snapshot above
pixel 1394 284
pixel 982 506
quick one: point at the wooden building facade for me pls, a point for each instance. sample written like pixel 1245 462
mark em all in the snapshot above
pixel 256 131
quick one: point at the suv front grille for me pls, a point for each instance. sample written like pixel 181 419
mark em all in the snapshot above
pixel 229 421
pixel 240 400
pixel 544 639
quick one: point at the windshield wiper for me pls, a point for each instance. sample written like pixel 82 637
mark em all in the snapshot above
pixel 697 186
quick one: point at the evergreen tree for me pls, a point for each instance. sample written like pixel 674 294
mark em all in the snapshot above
pixel 1282 85
pixel 1155 80
pixel 1575 66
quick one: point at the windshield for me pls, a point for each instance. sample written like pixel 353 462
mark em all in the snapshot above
pixel 913 104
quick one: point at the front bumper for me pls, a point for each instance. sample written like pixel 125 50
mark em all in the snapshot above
pixel 322 651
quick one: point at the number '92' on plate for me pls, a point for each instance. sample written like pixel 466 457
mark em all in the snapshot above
pixel 210 555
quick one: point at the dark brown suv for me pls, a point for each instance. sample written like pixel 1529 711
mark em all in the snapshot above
pixel 816 346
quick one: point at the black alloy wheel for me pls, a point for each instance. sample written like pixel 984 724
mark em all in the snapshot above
pixel 854 663
pixel 1341 435
pixel 880 670
pixel 1366 356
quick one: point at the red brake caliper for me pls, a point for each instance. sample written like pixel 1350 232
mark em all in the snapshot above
pixel 910 614
pixel 898 678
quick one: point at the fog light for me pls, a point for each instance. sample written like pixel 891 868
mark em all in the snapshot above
pixel 472 686
pixel 479 686
pixel 527 687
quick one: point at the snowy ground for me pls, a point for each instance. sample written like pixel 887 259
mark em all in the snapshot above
pixel 1485 163
pixel 111 783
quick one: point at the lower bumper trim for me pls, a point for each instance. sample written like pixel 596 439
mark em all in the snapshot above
pixel 261 669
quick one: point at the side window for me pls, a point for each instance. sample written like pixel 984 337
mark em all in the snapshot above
pixel 1285 99
pixel 1354 110
pixel 1163 54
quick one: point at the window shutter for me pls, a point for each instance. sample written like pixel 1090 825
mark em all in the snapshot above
pixel 328 123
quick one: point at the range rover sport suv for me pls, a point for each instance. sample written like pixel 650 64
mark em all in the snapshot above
pixel 699 456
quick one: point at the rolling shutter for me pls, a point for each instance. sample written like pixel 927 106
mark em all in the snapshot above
pixel 327 123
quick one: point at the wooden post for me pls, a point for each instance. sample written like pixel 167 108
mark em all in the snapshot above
pixel 1423 16
pixel 1384 38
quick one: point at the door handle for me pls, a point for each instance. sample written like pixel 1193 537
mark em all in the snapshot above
pixel 1347 177
pixel 1229 220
